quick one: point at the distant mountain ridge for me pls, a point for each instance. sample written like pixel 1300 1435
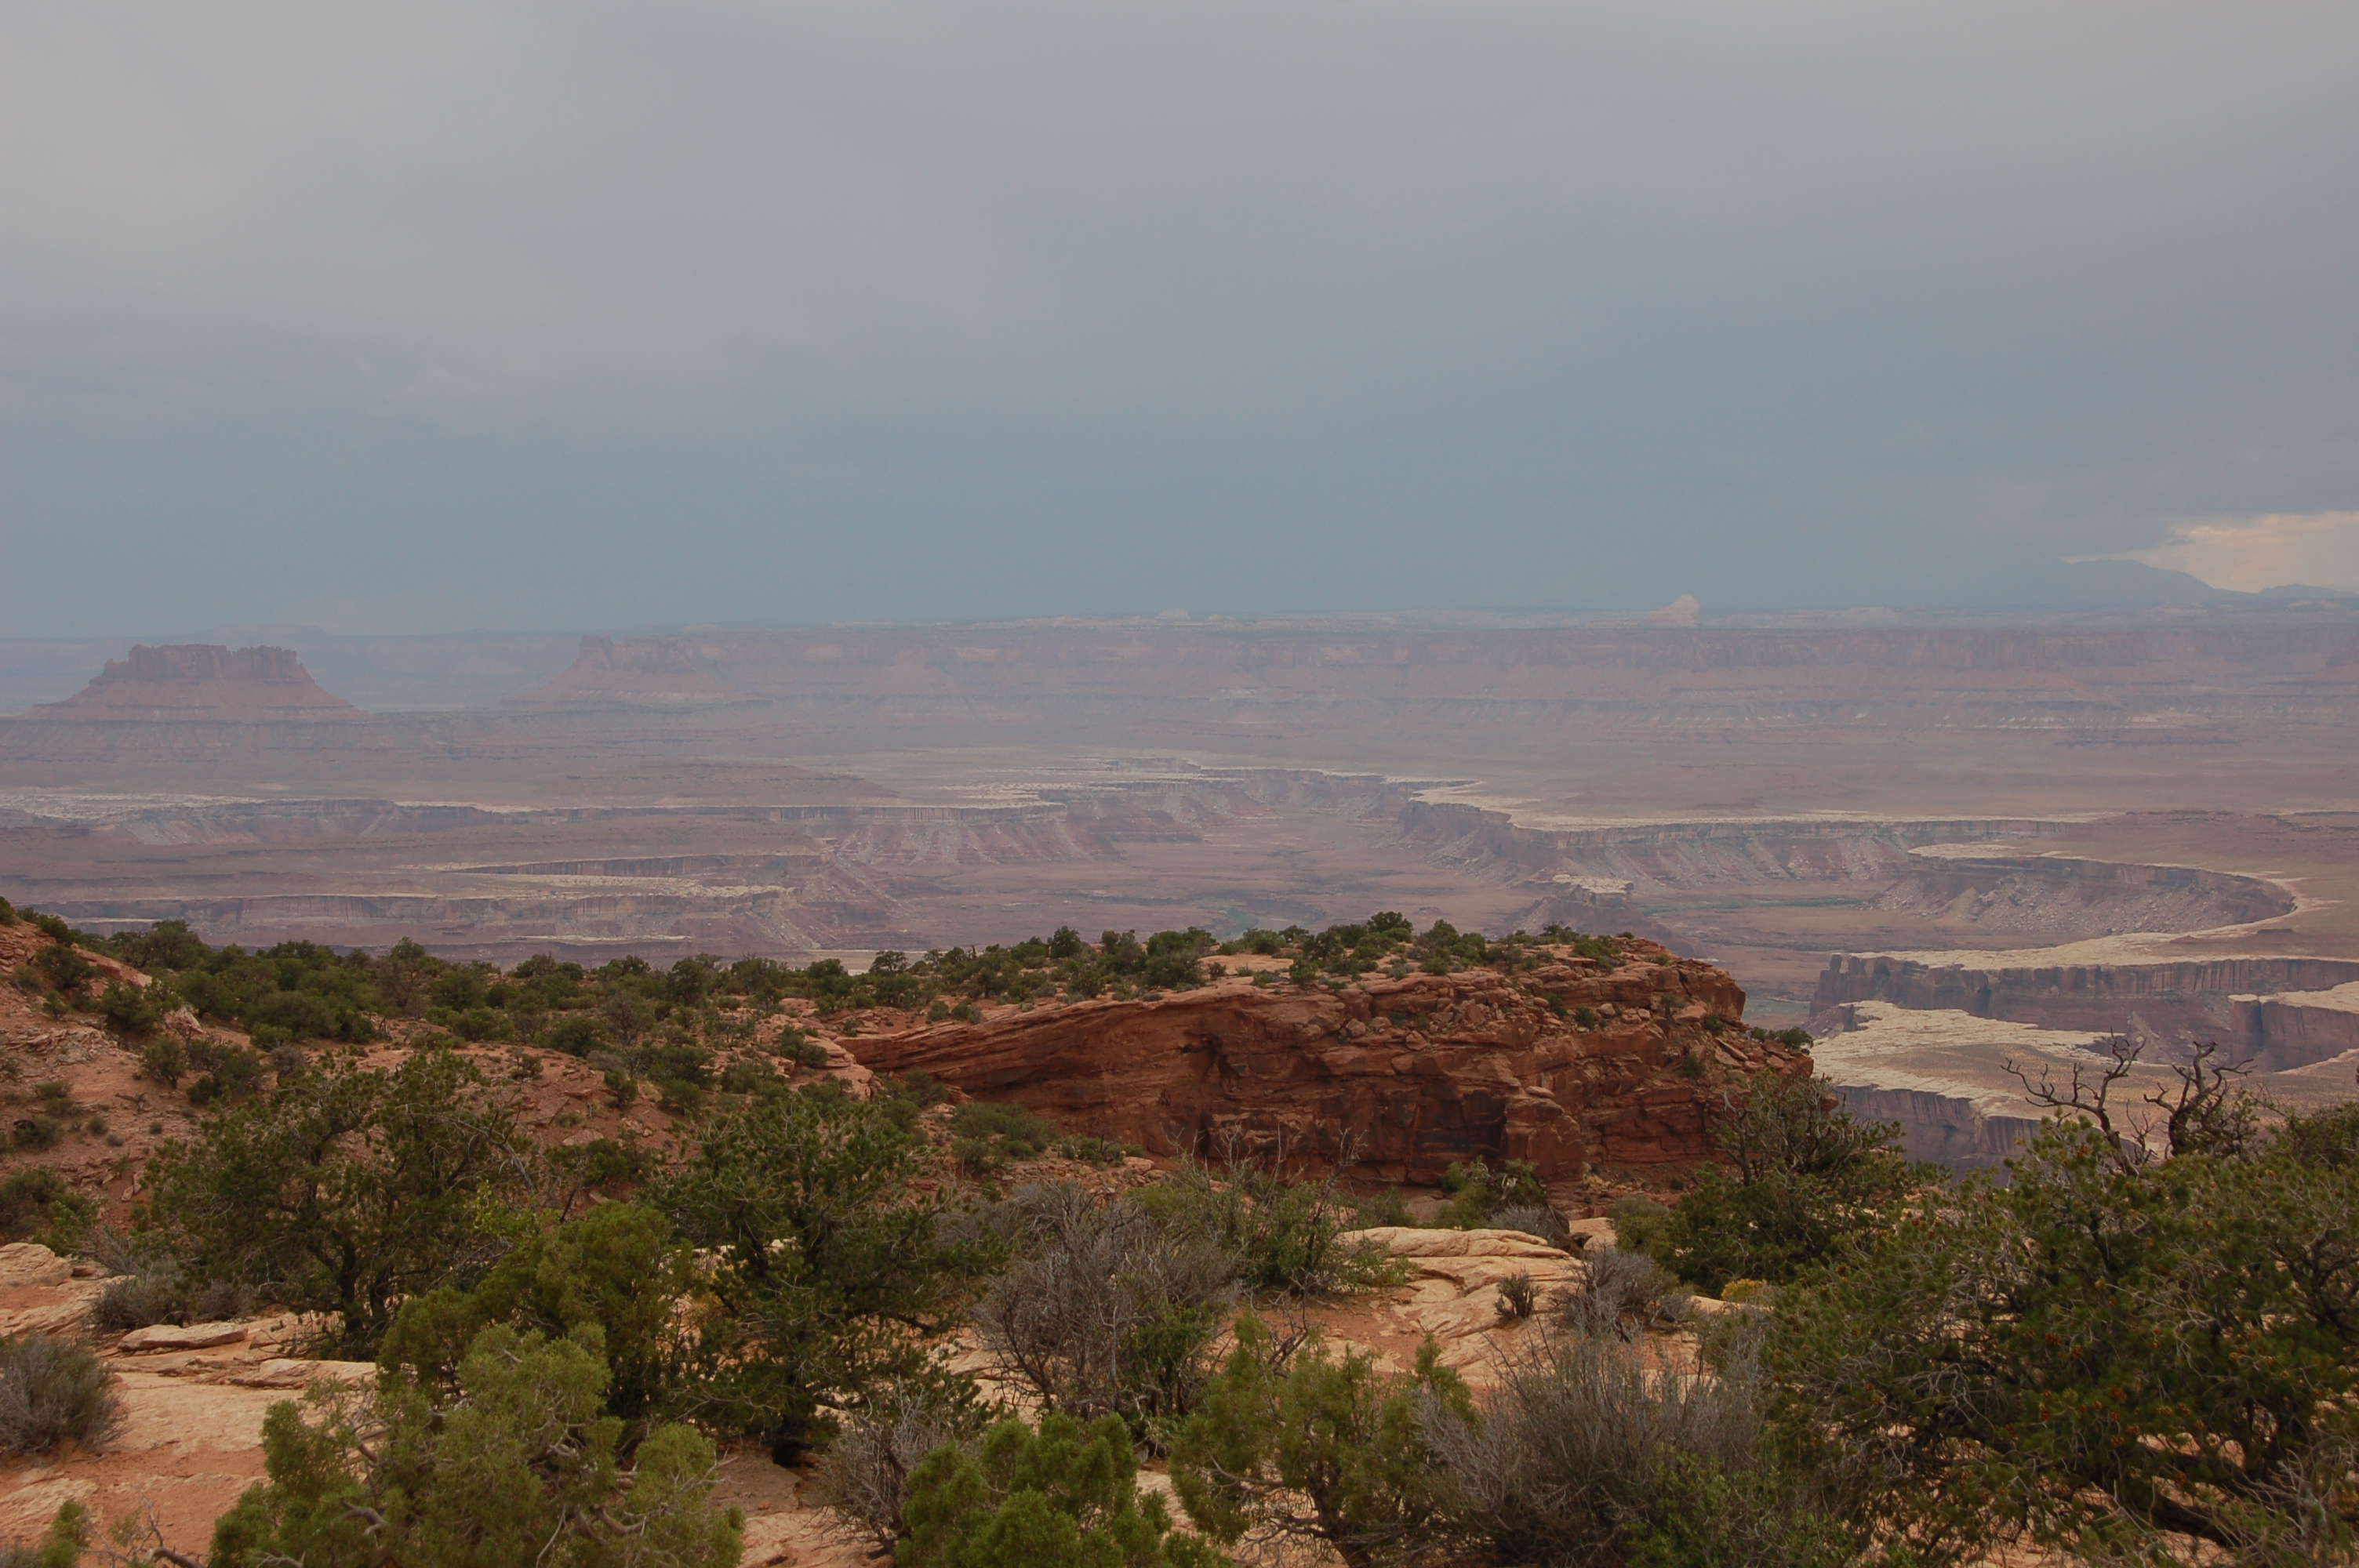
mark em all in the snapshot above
pixel 662 672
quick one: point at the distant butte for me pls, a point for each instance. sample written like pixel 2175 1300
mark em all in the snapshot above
pixel 659 671
pixel 203 682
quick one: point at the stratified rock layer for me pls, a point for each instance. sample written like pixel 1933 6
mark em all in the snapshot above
pixel 2279 1011
pixel 1402 1076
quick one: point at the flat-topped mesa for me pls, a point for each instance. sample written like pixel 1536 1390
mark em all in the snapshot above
pixel 202 683
pixel 657 671
pixel 1403 1077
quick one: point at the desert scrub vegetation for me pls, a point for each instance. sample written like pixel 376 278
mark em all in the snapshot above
pixel 51 1389
pixel 2136 1347
pixel 1058 1495
pixel 669 1029
pixel 37 1204
pixel 1292 1238
pixel 1292 1441
pixel 795 1265
pixel 986 1136
pixel 1480 1195
pixel 1802 1181
pixel 61 1546
pixel 515 1461
pixel 1114 1305
pixel 1103 1307
pixel 1583 1455
pixel 829 1270
pixel 617 1269
pixel 346 1190
pixel 863 1476
pixel 1388 942
pixel 2141 1348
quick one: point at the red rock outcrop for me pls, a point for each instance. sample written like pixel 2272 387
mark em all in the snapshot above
pixel 203 682
pixel 1407 1076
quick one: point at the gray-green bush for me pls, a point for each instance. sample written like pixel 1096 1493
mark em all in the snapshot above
pixel 1106 1306
pixel 51 1389
pixel 1583 1456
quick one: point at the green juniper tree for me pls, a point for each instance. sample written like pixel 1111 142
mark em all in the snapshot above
pixel 828 1271
pixel 516 1464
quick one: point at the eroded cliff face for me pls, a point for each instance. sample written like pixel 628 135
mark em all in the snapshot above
pixel 1947 1129
pixel 1402 1076
pixel 2298 1028
pixel 2241 1003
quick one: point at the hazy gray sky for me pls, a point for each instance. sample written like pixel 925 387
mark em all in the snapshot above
pixel 427 316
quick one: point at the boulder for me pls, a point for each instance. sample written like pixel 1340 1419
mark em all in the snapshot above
pixel 28 1263
pixel 1413 1241
pixel 181 1336
pixel 1454 1295
pixel 1595 1232
pixel 60 1308
pixel 844 1068
pixel 290 1372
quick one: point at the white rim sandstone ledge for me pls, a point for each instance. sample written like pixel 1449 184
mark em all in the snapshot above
pixel 181 1336
pixel 1413 1241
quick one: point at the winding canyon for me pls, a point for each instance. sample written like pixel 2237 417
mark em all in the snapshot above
pixel 1920 839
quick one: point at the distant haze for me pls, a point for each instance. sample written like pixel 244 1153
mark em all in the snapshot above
pixel 431 316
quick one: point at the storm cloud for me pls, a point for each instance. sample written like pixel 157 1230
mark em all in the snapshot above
pixel 438 316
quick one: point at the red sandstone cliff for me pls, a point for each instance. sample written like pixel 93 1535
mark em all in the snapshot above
pixel 1409 1075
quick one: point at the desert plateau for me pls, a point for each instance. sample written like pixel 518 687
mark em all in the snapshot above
pixel 2120 823
pixel 1936 870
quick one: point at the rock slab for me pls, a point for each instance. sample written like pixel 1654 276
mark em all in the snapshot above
pixel 28 1264
pixel 181 1336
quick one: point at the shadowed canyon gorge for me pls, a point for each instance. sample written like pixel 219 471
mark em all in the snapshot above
pixel 1944 846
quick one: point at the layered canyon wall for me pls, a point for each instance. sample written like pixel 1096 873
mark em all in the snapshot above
pixel 2267 1011
pixel 1949 1131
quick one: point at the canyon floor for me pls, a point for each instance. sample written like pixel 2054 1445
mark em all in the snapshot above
pixel 2074 824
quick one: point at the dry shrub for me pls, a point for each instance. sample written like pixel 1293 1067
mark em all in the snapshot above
pixel 52 1388
pixel 1103 1308
pixel 863 1477
pixel 1289 1237
pixel 1536 1220
pixel 151 1286
pixel 219 1301
pixel 1581 1446
pixel 1627 1292
pixel 136 1301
